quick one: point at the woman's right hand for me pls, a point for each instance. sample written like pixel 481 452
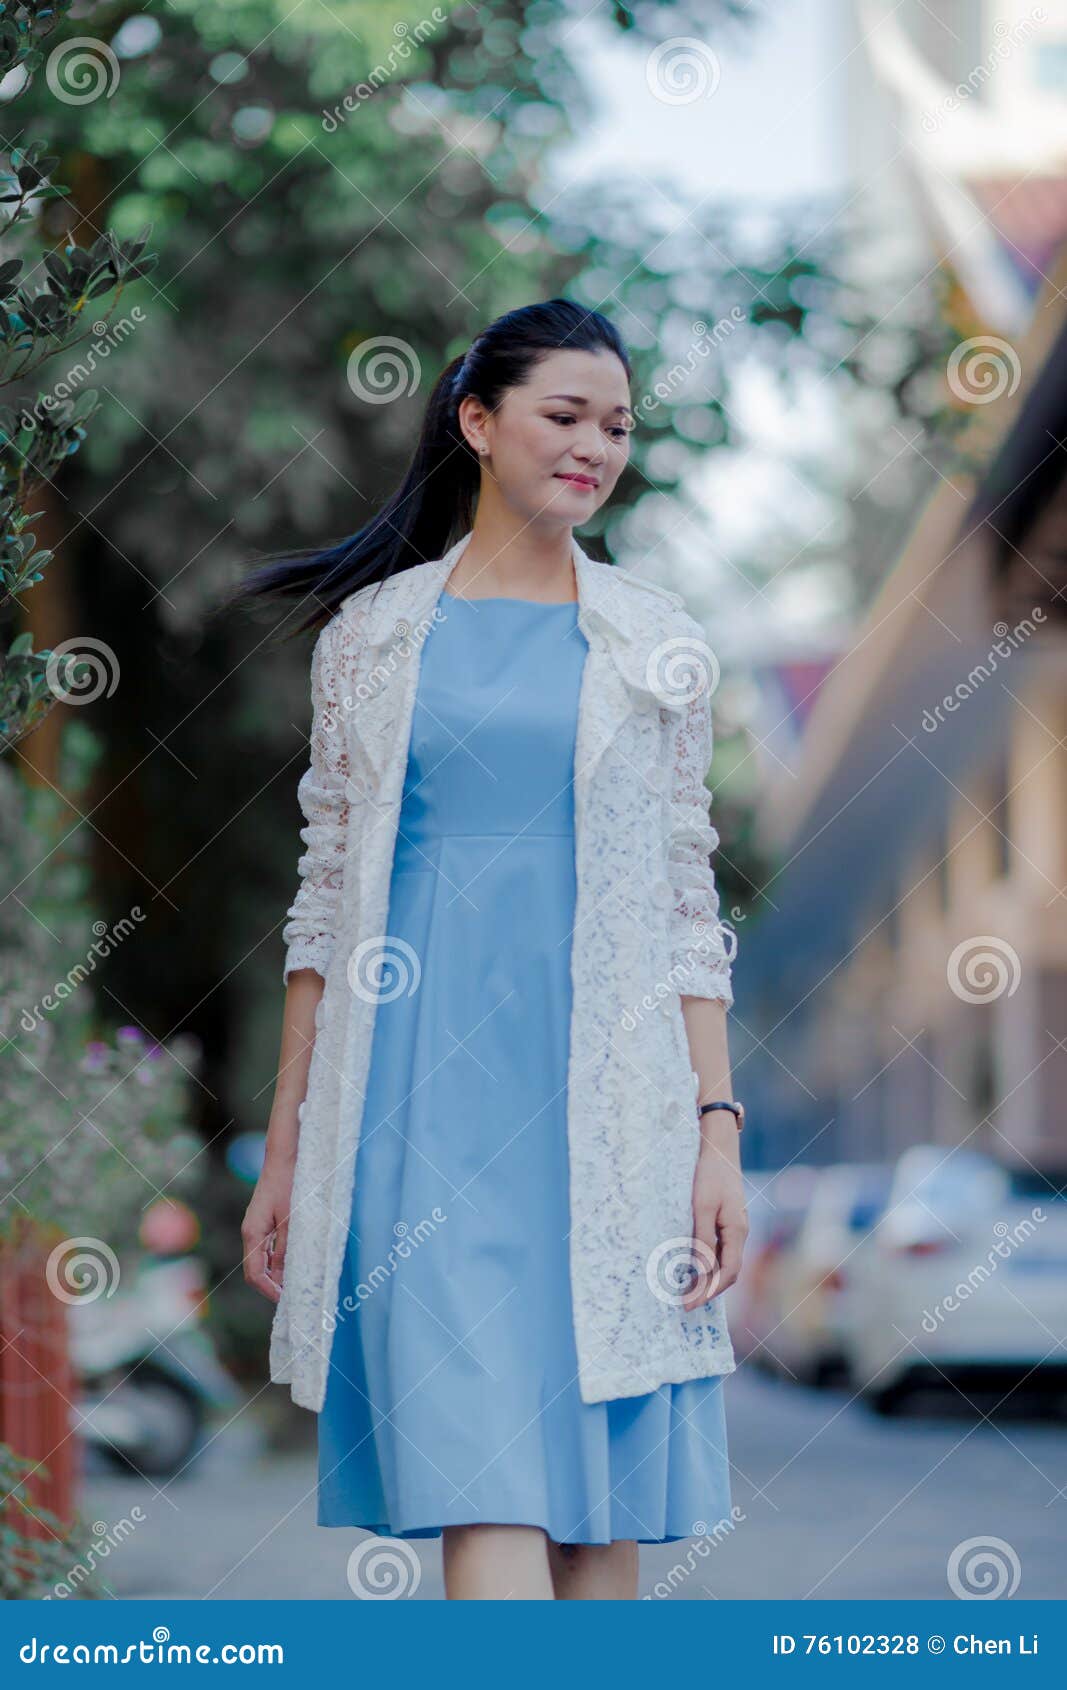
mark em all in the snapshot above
pixel 265 1229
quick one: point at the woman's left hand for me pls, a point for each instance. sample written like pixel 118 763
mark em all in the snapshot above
pixel 720 1221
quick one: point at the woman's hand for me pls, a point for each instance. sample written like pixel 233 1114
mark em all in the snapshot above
pixel 720 1219
pixel 265 1228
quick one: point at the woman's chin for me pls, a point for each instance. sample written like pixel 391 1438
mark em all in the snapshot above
pixel 573 495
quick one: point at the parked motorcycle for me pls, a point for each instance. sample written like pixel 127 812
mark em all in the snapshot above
pixel 147 1370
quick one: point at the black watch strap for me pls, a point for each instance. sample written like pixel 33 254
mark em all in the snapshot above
pixel 736 1110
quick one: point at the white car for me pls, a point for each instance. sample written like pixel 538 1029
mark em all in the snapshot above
pixel 963 1278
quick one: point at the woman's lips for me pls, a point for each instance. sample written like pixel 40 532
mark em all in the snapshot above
pixel 578 480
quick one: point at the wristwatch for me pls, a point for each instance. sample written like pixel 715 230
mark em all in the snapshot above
pixel 736 1109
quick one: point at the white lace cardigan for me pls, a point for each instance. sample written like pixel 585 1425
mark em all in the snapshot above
pixel 646 930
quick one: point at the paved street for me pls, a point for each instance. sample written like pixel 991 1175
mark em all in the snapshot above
pixel 836 1503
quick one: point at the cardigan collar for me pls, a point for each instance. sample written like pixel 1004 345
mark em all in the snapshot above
pixel 627 630
pixel 413 593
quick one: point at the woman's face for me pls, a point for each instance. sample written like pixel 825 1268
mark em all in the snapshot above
pixel 557 444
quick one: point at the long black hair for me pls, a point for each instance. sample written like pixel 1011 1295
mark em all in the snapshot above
pixel 434 504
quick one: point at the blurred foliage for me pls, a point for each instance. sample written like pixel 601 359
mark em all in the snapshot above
pixel 36 322
pixel 88 1125
pixel 34 1567
pixel 93 1121
pixel 24 27
pixel 80 1145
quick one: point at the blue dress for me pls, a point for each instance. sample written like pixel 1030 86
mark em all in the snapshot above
pixel 452 1393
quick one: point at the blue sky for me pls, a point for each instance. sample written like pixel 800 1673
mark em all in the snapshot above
pixel 772 128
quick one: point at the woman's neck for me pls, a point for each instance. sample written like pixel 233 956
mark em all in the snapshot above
pixel 510 560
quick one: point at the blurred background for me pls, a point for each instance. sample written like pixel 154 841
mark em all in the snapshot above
pixel 238 245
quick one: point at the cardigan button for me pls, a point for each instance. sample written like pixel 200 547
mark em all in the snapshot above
pixel 663 892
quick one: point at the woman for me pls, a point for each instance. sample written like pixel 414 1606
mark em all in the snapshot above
pixel 506 1312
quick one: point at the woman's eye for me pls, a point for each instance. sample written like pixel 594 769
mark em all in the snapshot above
pixel 619 432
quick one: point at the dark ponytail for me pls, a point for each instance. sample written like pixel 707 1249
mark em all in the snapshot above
pixel 435 503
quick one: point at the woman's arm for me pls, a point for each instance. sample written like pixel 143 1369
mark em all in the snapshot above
pixel 311 926
pixel 701 971
pixel 309 936
pixel 700 954
pixel 720 1220
pixel 264 1230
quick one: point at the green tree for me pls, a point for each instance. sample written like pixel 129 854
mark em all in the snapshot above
pixel 81 1140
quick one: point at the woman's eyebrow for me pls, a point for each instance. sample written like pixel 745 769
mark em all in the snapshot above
pixel 576 399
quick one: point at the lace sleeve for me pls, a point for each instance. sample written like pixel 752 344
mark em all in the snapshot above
pixel 310 928
pixel 700 952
